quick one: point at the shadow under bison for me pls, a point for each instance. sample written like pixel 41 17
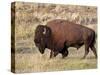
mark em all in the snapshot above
pixel 58 35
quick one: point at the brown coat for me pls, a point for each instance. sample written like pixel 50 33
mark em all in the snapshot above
pixel 63 34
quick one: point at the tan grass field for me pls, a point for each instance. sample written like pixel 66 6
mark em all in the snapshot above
pixel 30 62
pixel 28 16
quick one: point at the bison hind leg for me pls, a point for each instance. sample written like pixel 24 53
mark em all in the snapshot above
pixel 92 46
pixel 94 50
pixel 86 51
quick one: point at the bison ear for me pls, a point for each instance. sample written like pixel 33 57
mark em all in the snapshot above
pixel 47 31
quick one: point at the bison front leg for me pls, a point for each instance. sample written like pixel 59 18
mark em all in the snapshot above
pixel 56 53
pixel 53 54
pixel 65 54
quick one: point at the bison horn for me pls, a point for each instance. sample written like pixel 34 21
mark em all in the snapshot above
pixel 44 32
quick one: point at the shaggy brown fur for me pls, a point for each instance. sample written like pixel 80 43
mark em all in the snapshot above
pixel 58 35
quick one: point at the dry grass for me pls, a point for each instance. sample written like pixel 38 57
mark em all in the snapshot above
pixel 29 15
pixel 35 62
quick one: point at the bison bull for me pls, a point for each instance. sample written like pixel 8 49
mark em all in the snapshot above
pixel 58 35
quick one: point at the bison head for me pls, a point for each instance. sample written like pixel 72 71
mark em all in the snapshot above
pixel 42 35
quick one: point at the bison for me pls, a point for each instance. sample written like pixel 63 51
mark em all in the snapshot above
pixel 58 35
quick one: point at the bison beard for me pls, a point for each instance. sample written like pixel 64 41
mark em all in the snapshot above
pixel 58 35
